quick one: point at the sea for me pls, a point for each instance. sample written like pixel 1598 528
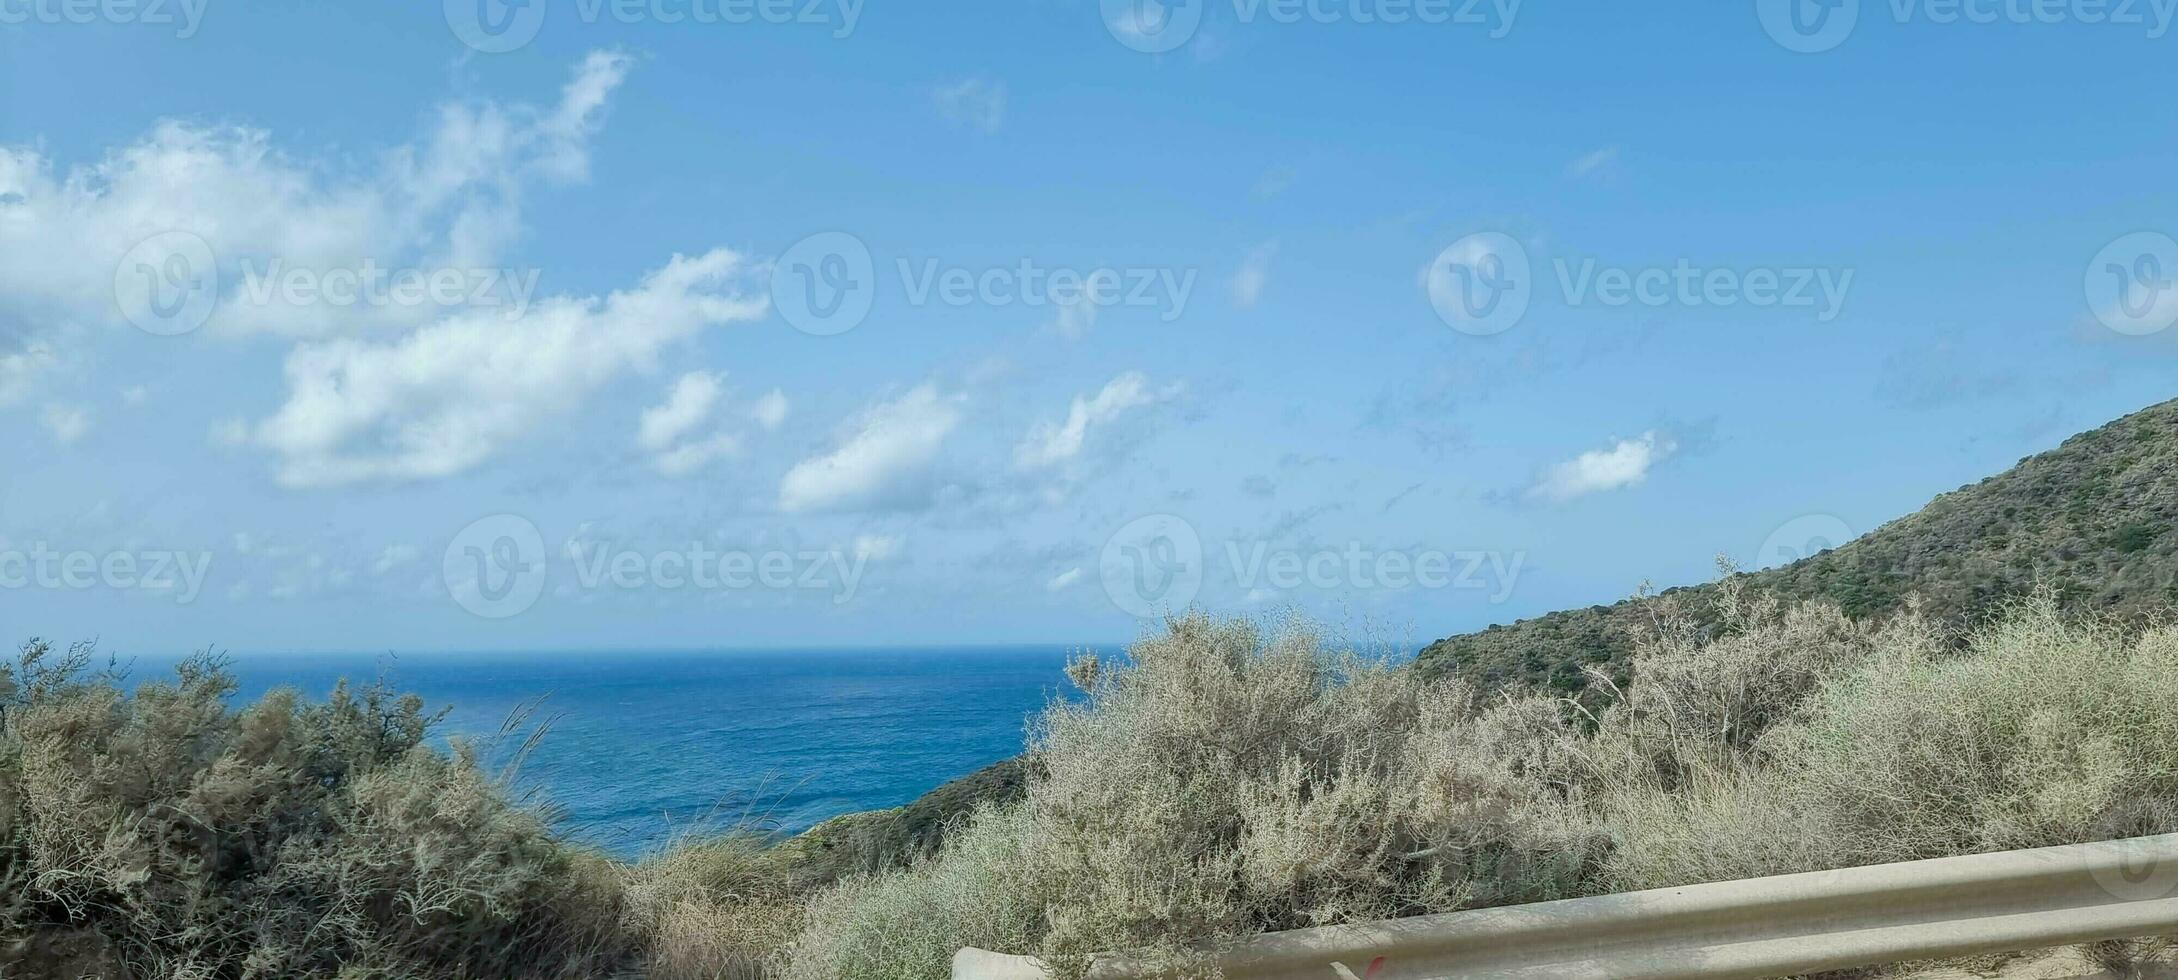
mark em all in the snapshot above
pixel 641 747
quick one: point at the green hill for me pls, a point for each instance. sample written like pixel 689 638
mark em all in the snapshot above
pixel 2095 520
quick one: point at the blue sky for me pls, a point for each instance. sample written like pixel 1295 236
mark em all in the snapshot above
pixel 631 207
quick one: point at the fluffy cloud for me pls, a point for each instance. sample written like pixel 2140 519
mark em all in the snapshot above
pixel 1055 444
pixel 1254 274
pixel 877 547
pixel 770 411
pixel 450 201
pixel 394 556
pixel 20 370
pixel 65 423
pixel 447 396
pixel 1626 463
pixel 883 458
pixel 691 402
pixel 666 431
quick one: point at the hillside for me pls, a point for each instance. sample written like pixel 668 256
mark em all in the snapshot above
pixel 2092 519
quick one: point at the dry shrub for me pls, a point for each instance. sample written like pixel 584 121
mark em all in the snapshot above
pixel 1222 783
pixel 982 890
pixel 713 908
pixel 2041 731
pixel 160 834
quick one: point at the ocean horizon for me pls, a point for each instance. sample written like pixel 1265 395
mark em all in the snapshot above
pixel 642 746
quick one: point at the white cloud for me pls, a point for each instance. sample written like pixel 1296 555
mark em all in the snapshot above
pixel 882 458
pixel 770 411
pixel 395 556
pixel 452 200
pixel 689 457
pixel 1254 274
pixel 877 547
pixel 1052 444
pixel 682 433
pixel 447 396
pixel 1074 317
pixel 691 403
pixel 134 395
pixel 1593 163
pixel 1064 579
pixel 1625 464
pixel 20 370
pixel 65 423
pixel 973 102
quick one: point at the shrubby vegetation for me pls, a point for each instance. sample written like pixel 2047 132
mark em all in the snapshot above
pixel 1222 779
pixel 2088 523
pixel 1226 781
pixel 164 834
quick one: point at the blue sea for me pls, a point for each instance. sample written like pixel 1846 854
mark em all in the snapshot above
pixel 641 746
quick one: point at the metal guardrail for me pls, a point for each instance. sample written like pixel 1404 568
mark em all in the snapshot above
pixel 1761 927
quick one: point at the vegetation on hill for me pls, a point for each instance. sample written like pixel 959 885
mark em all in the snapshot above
pixel 2094 521
pixel 880 840
pixel 1225 781
pixel 1985 674
pixel 1222 780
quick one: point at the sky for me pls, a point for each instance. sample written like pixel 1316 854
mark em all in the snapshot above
pixel 753 323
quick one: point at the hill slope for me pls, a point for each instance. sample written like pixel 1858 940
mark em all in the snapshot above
pixel 2095 519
